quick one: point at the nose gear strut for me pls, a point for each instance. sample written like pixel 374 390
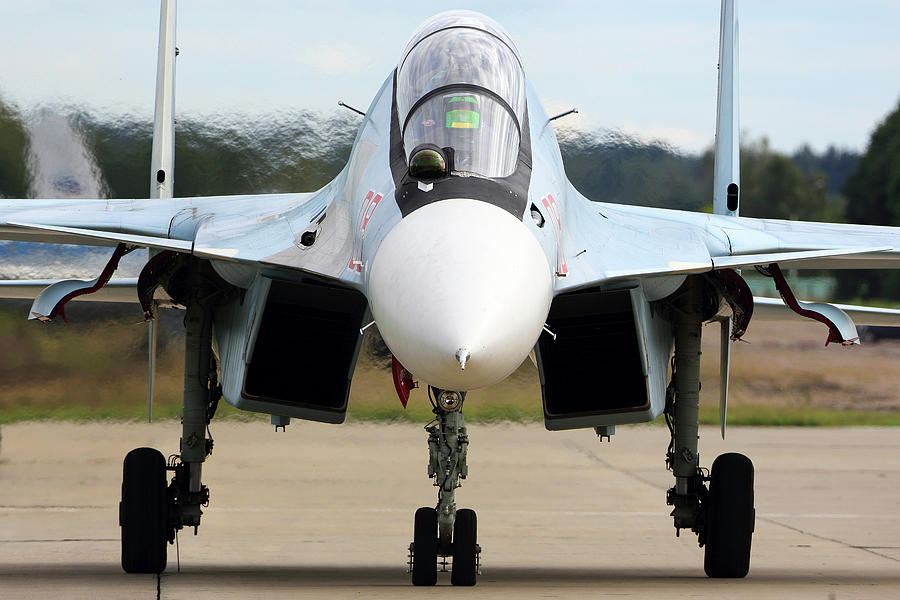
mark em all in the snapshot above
pixel 444 531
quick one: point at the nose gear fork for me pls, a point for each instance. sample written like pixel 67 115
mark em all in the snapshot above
pixel 445 531
pixel 448 443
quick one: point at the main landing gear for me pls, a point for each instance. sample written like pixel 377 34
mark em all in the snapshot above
pixel 445 531
pixel 722 513
pixel 151 512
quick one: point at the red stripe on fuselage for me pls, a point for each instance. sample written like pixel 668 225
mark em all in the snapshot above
pixel 366 209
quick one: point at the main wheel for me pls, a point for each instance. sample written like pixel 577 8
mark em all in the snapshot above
pixel 730 517
pixel 425 544
pixel 465 546
pixel 143 512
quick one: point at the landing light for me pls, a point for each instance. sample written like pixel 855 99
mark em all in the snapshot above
pixel 449 400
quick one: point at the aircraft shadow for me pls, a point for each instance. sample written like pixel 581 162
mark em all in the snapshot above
pixel 228 575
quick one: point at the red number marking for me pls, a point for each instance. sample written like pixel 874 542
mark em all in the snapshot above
pixel 550 204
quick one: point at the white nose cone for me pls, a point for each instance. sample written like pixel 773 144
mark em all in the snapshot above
pixel 460 290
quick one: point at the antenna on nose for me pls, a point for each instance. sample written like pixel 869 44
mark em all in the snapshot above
pixel 462 355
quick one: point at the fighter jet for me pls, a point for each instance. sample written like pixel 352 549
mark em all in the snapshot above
pixel 454 230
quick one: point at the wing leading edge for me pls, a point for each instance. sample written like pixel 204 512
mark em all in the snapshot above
pixel 653 242
pixel 251 229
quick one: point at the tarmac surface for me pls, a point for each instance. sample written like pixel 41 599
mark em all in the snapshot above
pixel 327 511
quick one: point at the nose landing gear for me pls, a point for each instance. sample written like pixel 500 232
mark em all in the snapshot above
pixel 444 531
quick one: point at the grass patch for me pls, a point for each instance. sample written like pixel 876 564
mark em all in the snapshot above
pixel 128 413
pixel 740 415
pixel 94 368
pixel 774 416
pixel 493 413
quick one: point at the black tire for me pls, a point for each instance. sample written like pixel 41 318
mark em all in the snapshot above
pixel 730 517
pixel 143 512
pixel 425 544
pixel 465 540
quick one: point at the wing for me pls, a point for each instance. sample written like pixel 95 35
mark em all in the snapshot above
pixel 270 230
pixel 313 236
pixel 164 223
pixel 252 228
pixel 806 245
pixel 93 222
pixel 605 242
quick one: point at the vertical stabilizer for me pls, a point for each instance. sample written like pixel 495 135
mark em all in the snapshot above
pixel 727 175
pixel 162 163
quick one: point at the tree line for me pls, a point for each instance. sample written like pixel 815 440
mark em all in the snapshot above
pixel 301 151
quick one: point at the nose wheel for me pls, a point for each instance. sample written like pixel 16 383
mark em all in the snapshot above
pixel 466 552
pixel 444 532
pixel 423 552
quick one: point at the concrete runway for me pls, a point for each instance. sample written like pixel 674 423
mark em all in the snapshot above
pixel 323 510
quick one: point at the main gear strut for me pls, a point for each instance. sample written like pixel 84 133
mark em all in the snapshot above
pixel 717 506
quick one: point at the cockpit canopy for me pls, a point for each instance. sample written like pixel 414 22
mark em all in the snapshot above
pixel 461 85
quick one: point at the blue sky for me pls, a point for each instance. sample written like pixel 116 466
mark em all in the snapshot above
pixel 811 72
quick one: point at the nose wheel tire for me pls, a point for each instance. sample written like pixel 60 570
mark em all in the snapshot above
pixel 425 547
pixel 730 517
pixel 465 548
pixel 143 511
